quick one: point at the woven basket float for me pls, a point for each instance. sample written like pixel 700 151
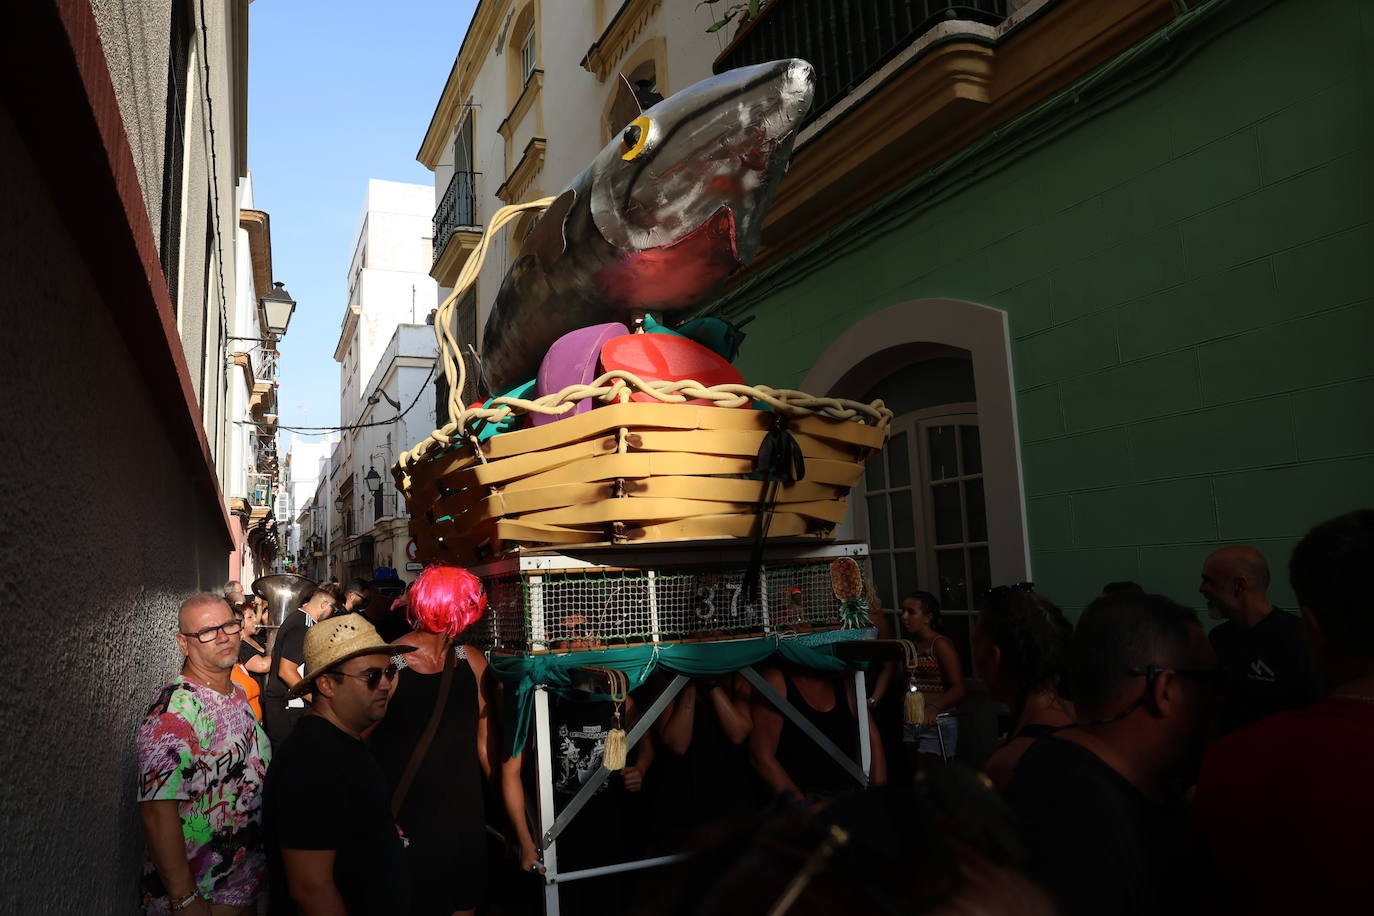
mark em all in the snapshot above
pixel 631 472
pixel 639 471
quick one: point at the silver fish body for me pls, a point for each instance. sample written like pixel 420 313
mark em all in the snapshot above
pixel 670 208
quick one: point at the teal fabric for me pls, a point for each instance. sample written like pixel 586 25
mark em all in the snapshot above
pixel 522 673
pixel 653 327
pixel 523 390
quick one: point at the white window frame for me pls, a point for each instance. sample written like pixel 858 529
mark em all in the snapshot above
pixel 529 57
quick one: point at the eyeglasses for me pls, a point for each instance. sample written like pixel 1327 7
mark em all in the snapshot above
pixel 578 630
pixel 373 676
pixel 210 634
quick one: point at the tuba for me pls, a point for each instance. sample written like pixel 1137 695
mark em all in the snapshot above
pixel 283 593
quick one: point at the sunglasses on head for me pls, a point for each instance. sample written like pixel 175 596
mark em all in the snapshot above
pixel 373 677
pixel 1007 589
pixel 1208 677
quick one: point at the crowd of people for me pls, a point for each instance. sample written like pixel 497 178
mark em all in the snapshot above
pixel 1145 765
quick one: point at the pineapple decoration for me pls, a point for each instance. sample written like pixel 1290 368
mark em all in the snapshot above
pixel 848 583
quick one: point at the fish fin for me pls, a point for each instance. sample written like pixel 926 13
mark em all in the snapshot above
pixel 547 240
pixel 625 106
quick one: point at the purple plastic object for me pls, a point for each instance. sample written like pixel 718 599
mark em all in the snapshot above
pixel 572 360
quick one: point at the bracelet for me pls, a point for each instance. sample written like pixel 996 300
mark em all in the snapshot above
pixel 184 902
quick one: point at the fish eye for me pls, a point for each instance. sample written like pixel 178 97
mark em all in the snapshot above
pixel 634 138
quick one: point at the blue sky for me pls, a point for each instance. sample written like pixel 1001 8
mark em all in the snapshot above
pixel 338 92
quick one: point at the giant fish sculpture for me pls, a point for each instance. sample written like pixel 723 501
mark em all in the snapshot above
pixel 671 206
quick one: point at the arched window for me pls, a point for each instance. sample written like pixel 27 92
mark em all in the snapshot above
pixel 646 71
pixel 522 44
pixel 941 506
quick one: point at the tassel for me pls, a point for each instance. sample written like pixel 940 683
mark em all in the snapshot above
pixel 613 757
pixel 913 705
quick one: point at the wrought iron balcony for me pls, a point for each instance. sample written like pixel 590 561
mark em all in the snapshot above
pixel 260 489
pixel 266 369
pixel 457 209
pixel 845 40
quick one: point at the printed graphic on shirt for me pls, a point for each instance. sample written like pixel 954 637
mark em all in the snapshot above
pixel 1259 671
pixel 580 750
pixel 207 752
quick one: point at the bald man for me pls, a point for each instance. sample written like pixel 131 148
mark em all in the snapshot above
pixel 1263 649
pixel 202 762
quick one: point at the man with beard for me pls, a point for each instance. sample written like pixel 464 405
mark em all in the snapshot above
pixel 1268 662
pixel 332 843
pixel 1100 802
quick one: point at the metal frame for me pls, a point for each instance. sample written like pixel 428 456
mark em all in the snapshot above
pixel 676 555
pixel 558 822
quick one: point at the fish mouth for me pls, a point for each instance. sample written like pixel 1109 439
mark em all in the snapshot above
pixel 682 273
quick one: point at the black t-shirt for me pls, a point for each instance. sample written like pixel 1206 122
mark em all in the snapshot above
pixel 247 653
pixel 325 791
pixel 1096 843
pixel 1270 667
pixel 290 645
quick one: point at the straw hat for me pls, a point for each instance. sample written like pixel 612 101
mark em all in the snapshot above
pixel 332 642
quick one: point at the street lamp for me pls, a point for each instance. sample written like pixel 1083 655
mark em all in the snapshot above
pixel 277 306
pixel 338 502
pixel 373 481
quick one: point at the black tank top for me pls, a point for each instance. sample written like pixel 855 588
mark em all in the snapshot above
pixel 812 769
pixel 442 813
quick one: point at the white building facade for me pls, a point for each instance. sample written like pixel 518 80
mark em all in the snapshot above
pixel 386 354
pixel 528 104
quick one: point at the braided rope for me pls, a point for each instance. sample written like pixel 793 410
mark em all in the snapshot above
pixel 611 387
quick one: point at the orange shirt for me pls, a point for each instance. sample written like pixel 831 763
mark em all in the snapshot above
pixel 250 686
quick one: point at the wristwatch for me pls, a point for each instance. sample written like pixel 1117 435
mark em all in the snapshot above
pixel 184 902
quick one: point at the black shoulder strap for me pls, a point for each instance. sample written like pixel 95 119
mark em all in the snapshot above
pixel 417 756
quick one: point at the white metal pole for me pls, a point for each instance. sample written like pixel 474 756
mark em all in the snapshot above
pixel 543 744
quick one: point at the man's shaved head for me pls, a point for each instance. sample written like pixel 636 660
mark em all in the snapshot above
pixel 1240 561
pixel 191 604
pixel 1235 580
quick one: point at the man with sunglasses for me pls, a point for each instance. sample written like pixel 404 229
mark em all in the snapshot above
pixel 202 760
pixel 1101 802
pixel 332 842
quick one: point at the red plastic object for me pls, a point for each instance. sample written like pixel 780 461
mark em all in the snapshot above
pixel 663 357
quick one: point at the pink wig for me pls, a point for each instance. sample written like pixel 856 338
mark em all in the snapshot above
pixel 445 600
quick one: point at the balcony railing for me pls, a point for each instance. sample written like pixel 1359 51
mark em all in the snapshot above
pixel 384 505
pixel 266 368
pixel 845 40
pixel 260 489
pixel 458 208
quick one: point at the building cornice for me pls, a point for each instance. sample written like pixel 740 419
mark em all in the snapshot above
pixel 522 105
pixel 486 22
pixel 625 26
pixel 350 325
pixel 459 246
pixel 513 189
pixel 258 225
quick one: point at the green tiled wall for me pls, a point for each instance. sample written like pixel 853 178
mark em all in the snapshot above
pixel 1189 281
